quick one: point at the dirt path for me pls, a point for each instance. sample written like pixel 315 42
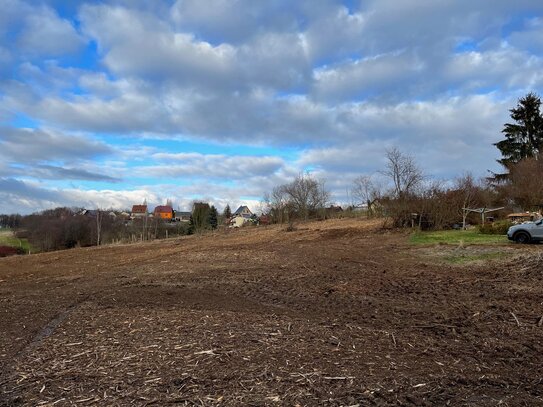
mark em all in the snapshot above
pixel 334 313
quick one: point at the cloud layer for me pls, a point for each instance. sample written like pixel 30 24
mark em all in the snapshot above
pixel 112 102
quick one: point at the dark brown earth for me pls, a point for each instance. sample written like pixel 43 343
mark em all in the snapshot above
pixel 334 313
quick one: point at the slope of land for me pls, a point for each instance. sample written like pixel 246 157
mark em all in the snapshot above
pixel 334 313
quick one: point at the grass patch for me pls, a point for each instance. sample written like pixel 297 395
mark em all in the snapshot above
pixel 469 258
pixel 8 238
pixel 455 237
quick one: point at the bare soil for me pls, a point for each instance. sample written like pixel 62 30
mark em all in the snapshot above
pixel 335 313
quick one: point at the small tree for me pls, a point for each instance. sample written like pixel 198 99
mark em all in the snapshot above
pixel 366 192
pixel 227 213
pixel 306 195
pixel 276 204
pixel 403 171
pixel 191 229
pixel 467 193
pixel 406 178
pixel 212 217
pixel 200 216
pixel 99 220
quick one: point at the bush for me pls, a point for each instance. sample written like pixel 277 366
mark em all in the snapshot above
pixel 10 251
pixel 496 228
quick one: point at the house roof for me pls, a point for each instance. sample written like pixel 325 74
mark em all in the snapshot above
pixel 241 209
pixel 139 209
pixel 181 213
pixel 242 215
pixel 163 209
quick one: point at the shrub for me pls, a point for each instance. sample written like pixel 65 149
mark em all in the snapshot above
pixel 10 251
pixel 496 228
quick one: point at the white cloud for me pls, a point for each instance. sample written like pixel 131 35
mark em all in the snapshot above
pixel 368 77
pixel 234 21
pixel 531 38
pixel 505 68
pixel 335 33
pixel 35 145
pixel 213 166
pixel 339 82
pixel 45 33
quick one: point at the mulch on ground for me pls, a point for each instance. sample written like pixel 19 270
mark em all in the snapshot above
pixel 333 313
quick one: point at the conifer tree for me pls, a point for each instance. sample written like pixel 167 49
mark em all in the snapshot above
pixel 212 217
pixel 524 138
pixel 190 230
pixel 227 212
pixel 200 216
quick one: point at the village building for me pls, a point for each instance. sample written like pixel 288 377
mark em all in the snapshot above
pixel 139 211
pixel 241 216
pixel 243 211
pixel 182 216
pixel 163 212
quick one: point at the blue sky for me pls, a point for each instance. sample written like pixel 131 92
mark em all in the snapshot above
pixel 107 103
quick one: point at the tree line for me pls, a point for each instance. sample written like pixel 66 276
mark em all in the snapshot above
pixel 65 228
pixel 400 192
pixel 405 196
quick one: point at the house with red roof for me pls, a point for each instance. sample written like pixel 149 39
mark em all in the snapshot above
pixel 138 211
pixel 164 212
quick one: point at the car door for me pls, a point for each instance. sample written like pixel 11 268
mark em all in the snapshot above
pixel 537 231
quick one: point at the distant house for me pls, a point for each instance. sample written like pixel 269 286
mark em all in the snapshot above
pixel 139 211
pixel 242 215
pixel 93 213
pixel 243 211
pixel 237 221
pixel 163 212
pixel 182 216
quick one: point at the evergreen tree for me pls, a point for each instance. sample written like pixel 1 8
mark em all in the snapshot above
pixel 227 212
pixel 200 216
pixel 190 230
pixel 212 217
pixel 524 138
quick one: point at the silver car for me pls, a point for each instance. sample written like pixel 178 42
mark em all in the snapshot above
pixel 526 232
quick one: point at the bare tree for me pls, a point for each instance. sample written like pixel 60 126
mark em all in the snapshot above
pixel 302 197
pixel 407 180
pixel 99 219
pixel 277 204
pixel 467 189
pixel 365 191
pixel 402 169
pixel 306 194
pixel 524 186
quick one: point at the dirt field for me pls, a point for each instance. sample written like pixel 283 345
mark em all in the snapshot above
pixel 334 313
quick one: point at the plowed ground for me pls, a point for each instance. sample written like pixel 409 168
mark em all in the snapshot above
pixel 334 313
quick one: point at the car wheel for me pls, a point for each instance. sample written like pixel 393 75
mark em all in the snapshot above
pixel 522 237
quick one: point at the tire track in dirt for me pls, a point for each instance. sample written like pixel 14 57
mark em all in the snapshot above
pixel 50 328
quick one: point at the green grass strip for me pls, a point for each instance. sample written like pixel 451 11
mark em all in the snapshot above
pixel 455 237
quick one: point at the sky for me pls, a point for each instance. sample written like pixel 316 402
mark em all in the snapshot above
pixel 105 104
